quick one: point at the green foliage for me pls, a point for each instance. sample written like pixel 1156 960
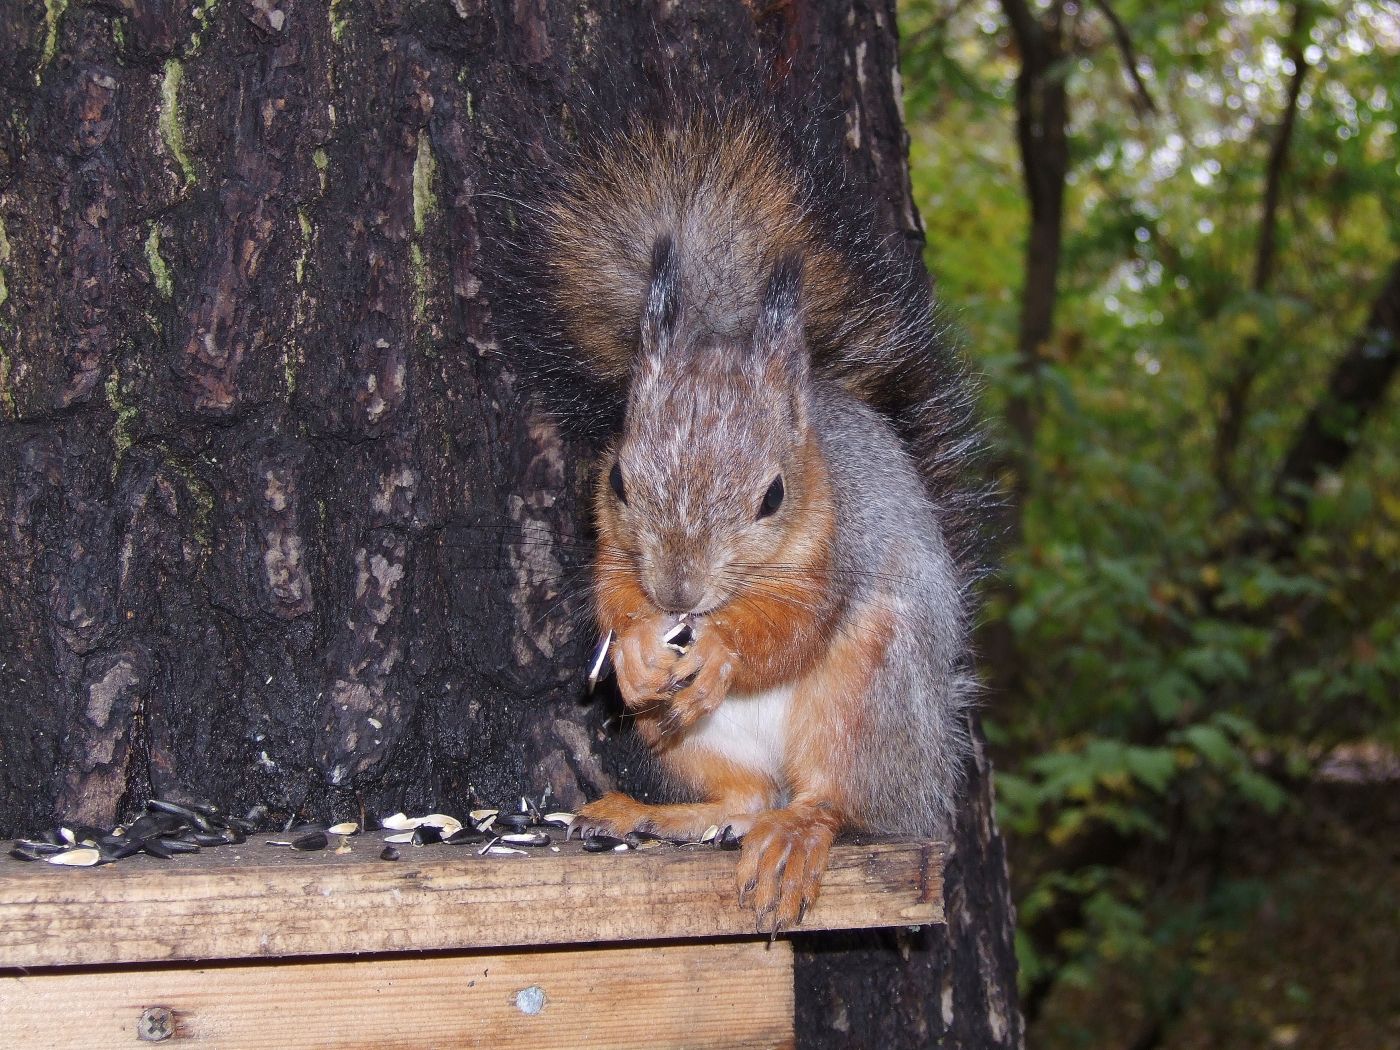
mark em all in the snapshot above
pixel 1169 678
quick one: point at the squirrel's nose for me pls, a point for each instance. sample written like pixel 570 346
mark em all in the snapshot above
pixel 677 594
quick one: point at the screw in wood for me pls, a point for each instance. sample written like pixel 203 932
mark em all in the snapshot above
pixel 156 1024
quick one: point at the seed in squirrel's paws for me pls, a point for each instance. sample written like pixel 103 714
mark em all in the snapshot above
pixel 600 666
pixel 679 638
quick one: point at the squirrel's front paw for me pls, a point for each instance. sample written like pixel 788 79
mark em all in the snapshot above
pixel 781 867
pixel 644 666
pixel 699 681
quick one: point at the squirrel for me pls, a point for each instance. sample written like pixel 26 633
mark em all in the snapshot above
pixel 787 481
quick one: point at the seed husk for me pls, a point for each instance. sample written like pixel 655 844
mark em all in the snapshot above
pixel 400 836
pixel 478 815
pixel 39 847
pixel 728 840
pixel 600 666
pixel 503 851
pixel 445 824
pixel 559 818
pixel 400 822
pixel 710 833
pixel 82 857
pixel 348 827
pixel 388 853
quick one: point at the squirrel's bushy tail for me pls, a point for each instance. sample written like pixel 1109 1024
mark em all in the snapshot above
pixel 736 190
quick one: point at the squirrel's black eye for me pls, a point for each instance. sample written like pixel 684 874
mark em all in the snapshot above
pixel 615 480
pixel 772 499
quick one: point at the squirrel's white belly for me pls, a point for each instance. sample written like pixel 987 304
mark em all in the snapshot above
pixel 749 729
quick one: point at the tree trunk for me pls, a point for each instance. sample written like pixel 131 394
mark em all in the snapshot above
pixel 277 524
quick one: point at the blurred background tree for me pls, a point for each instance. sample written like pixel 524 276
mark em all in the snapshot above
pixel 1169 233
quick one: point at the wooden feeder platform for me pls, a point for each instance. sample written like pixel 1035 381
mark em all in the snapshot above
pixel 256 946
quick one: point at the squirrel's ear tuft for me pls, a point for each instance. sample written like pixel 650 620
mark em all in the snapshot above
pixel 779 335
pixel 662 308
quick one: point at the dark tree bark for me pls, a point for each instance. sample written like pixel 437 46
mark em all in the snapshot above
pixel 276 524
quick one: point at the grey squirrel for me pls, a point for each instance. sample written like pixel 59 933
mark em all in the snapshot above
pixel 787 481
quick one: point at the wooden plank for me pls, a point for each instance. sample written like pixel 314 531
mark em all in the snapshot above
pixel 255 901
pixel 675 995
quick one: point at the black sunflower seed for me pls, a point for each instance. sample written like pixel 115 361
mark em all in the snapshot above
pixel 526 838
pixel 466 837
pixel 514 821
pixel 311 841
pixel 388 853
pixel 120 848
pixel 601 843
pixel 174 809
pixel 157 848
pixel 180 845
pixel 426 835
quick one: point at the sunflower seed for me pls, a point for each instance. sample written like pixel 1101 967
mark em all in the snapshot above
pixel 603 843
pixel 466 838
pixel 179 845
pixel 388 853
pixel 514 821
pixel 427 835
pixel 310 842
pixel 528 838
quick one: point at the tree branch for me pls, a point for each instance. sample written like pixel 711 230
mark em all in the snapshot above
pixel 1237 390
pixel 1332 429
pixel 1125 46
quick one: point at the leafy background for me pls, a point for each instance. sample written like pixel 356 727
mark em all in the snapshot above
pixel 1194 644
